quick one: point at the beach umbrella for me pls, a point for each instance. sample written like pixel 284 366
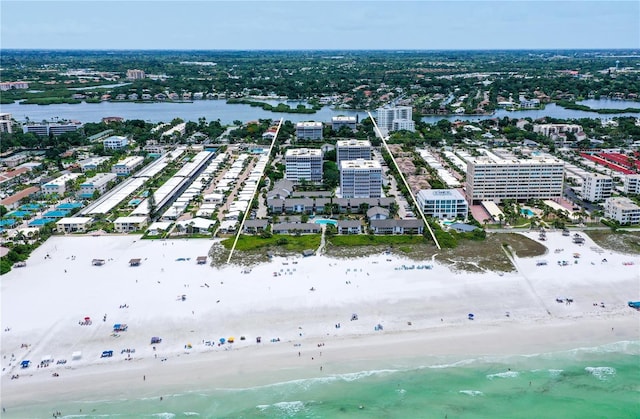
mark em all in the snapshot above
pixel 231 339
pixel 222 340
pixel 470 316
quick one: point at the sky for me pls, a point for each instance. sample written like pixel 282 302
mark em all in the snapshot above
pixel 312 24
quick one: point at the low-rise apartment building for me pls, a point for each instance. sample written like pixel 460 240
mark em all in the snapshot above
pixel 443 203
pixel 59 184
pixel 622 210
pixel 74 224
pixel 129 224
pixel 98 183
pixel 115 142
pixel 632 184
pixel 126 166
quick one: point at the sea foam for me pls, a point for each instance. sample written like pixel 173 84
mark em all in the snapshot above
pixel 601 373
pixel 472 393
pixel 287 408
pixel 506 374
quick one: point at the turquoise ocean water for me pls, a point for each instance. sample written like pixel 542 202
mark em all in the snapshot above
pixel 598 382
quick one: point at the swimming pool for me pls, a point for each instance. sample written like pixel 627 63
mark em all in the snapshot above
pixel 527 212
pixel 325 221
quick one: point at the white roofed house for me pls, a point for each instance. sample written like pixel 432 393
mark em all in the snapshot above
pixel 129 224
pixel 196 225
pixel 74 224
pixel 349 227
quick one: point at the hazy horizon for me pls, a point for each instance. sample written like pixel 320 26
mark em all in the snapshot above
pixel 339 25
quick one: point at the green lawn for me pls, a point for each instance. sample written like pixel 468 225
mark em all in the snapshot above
pixel 290 243
pixel 372 240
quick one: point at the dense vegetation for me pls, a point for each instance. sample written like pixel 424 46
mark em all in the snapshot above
pixel 358 79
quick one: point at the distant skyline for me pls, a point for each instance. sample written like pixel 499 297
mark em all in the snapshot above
pixel 308 25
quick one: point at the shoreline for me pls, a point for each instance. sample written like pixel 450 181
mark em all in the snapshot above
pixel 299 301
pixel 270 364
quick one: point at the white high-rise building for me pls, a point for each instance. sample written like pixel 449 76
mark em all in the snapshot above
pixel 309 130
pixel 303 163
pixel 338 122
pixel 395 118
pixel 352 150
pixel 135 74
pixel 597 187
pixel 360 179
pixel 6 125
pixel 495 180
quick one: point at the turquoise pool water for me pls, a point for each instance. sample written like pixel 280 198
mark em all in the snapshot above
pixel 325 221
pixel 527 212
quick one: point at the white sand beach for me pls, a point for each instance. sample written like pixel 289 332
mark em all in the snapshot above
pixel 298 302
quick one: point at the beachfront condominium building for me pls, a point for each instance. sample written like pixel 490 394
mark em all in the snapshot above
pixel 494 179
pixel 115 142
pixel 309 130
pixel 338 122
pixel 98 183
pixel 59 184
pixel 622 210
pixel 303 164
pixel 360 179
pixel 352 150
pixel 632 184
pixel 395 118
pixel 596 187
pixel 443 203
pixel 126 166
pixel 6 125
pixel 135 74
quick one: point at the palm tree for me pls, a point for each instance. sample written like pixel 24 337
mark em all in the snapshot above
pixel 151 202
